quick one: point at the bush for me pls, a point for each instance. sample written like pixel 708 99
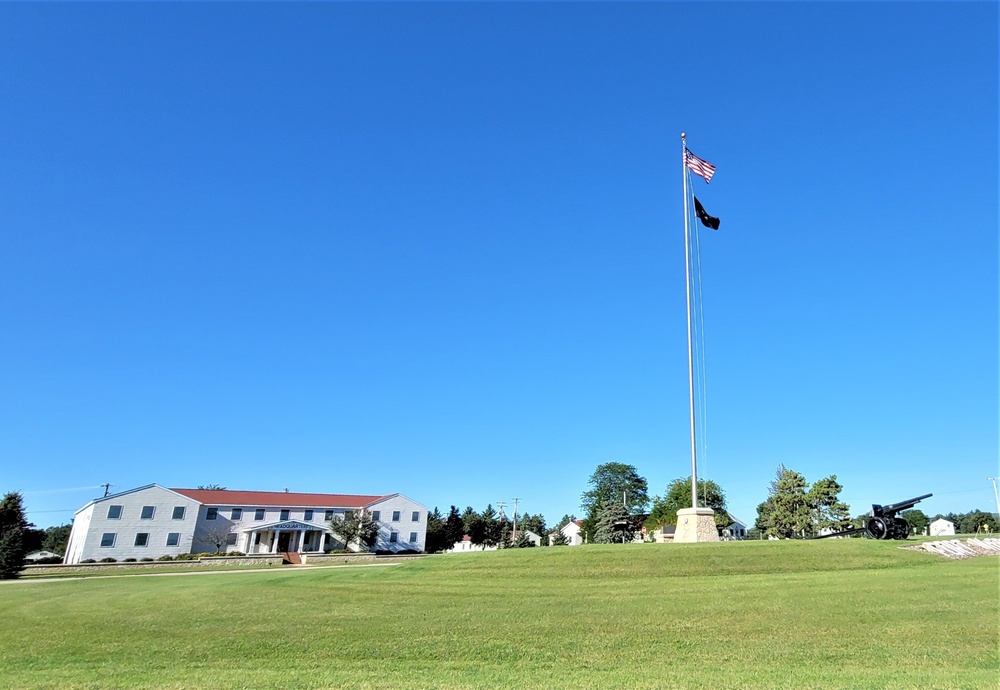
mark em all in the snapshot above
pixel 48 560
pixel 128 560
pixel 88 560
pixel 166 557
pixel 109 559
pixel 187 557
pixel 146 560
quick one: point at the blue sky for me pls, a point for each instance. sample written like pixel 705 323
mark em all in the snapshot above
pixel 438 248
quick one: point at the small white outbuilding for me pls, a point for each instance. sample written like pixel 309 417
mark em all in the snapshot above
pixel 942 528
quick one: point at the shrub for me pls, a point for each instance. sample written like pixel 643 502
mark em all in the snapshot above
pixel 146 560
pixel 88 560
pixel 165 557
pixel 128 560
pixel 109 559
pixel 48 560
pixel 187 557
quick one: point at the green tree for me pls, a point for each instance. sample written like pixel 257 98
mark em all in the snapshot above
pixel 614 482
pixel 535 523
pixel 57 538
pixel 356 526
pixel 786 512
pixel 435 538
pixel 917 520
pixel 454 528
pixel 485 528
pixel 212 487
pixel 826 507
pixel 976 521
pixel 468 518
pixel 678 496
pixel 12 527
pixel 615 524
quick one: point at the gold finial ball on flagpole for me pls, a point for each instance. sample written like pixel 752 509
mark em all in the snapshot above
pixel 683 135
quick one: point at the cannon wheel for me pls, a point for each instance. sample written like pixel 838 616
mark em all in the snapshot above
pixel 877 528
pixel 902 528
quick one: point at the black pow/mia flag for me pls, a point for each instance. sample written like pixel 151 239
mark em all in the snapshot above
pixel 707 220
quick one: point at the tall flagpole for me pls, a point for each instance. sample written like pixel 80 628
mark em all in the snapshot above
pixel 687 289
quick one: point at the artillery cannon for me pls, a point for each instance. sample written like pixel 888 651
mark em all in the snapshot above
pixel 883 523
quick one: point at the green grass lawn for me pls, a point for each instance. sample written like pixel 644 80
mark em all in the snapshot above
pixel 816 614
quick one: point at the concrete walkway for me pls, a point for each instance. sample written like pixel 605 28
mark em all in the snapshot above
pixel 279 569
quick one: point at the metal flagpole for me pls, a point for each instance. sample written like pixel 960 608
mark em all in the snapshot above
pixel 687 289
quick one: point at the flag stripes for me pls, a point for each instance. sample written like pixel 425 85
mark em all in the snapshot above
pixel 699 166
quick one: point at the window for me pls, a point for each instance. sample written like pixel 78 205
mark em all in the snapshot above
pixel 394 537
pixel 413 537
pixel 114 512
pixel 376 515
pixel 231 539
pixel 284 514
pixel 395 516
pixel 173 539
pixel 416 516
pixel 308 516
pixel 328 516
pixel 258 514
pixel 237 514
pixel 212 514
pixel 142 539
pixel 178 513
pixel 147 513
pixel 108 539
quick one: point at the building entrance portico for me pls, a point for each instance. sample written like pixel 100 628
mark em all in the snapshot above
pixel 286 536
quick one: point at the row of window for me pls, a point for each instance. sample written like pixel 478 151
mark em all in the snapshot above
pixel 236 514
pixel 108 539
pixel 147 512
pixel 394 537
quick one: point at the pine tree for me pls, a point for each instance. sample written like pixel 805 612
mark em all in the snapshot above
pixel 12 527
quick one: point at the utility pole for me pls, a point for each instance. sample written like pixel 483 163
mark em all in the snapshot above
pixel 107 488
pixel 516 501
pixel 995 494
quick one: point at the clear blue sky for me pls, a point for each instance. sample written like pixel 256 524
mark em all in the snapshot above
pixel 437 248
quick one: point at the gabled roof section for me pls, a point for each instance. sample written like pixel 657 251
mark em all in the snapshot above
pixel 113 496
pixel 280 499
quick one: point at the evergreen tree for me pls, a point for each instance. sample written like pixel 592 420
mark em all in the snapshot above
pixel 435 539
pixel 12 528
pixel 454 528
pixel 793 509
pixel 524 541
pixel 615 524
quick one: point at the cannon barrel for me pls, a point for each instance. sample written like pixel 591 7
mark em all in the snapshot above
pixel 892 508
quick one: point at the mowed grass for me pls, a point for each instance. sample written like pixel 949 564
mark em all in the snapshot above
pixel 823 614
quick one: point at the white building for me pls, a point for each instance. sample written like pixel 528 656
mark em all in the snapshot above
pixel 153 521
pixel 572 531
pixel 466 545
pixel 942 528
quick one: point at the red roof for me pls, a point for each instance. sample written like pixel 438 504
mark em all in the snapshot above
pixel 225 497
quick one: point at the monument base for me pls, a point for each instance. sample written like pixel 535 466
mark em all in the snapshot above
pixel 695 524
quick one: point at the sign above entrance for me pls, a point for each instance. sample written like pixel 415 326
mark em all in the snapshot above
pixel 287 524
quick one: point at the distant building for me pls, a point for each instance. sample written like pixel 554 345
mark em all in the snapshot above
pixel 535 539
pixel 466 546
pixel 942 528
pixel 39 555
pixel 153 521
pixel 737 529
pixel 572 531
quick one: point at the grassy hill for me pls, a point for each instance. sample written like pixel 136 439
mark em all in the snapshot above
pixel 821 614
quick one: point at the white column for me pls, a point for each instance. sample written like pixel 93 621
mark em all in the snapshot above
pixel 322 541
pixel 274 544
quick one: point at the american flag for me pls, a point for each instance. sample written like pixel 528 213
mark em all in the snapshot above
pixel 699 166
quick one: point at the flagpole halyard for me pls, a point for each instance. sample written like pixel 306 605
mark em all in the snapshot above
pixel 687 290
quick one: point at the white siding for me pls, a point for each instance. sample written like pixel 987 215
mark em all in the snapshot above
pixel 402 527
pixel 94 523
